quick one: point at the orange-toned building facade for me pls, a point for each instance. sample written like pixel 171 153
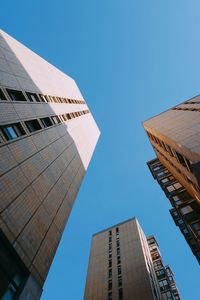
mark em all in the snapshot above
pixel 175 138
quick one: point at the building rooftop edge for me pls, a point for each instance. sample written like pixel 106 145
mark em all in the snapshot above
pixel 106 229
pixel 156 115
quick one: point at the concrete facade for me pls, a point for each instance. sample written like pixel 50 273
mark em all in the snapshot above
pixel 47 138
pixel 121 266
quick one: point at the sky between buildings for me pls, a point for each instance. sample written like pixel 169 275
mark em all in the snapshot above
pixel 131 60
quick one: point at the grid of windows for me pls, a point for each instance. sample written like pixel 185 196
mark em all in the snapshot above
pixel 164 275
pixel 178 170
pixel 172 152
pixel 186 211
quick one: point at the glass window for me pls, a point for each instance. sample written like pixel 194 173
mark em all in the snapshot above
pixel 16 95
pixel 119 281
pixel 33 125
pixel 46 122
pixel 120 294
pixel 119 270
pixel 196 227
pixel 118 260
pixel 110 296
pixel 164 180
pixel 160 173
pixel 177 200
pixel 12 131
pixel 2 96
pixel 9 132
pixel 110 263
pixel 186 210
pixel 160 272
pixel 156 169
pixel 13 273
pixel 43 98
pixel 180 222
pixel 33 97
pixel 170 188
pixel 185 231
pixel 167 296
pixel 110 285
pixel 56 119
pixel 177 185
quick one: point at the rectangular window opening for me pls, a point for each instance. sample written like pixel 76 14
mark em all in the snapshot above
pixel 12 131
pixel 2 95
pixel 46 122
pixel 16 95
pixel 33 125
pixel 33 97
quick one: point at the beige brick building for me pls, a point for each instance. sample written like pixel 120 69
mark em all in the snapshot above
pixel 123 266
pixel 47 138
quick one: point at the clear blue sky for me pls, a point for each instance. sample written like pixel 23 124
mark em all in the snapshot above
pixel 131 59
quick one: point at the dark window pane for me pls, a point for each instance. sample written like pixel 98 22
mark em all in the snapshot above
pixel 33 125
pixel 2 96
pixel 33 97
pixel 46 122
pixel 13 272
pixel 120 294
pixel 16 95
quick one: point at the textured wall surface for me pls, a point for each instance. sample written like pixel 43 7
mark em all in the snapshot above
pixel 135 264
pixel 40 172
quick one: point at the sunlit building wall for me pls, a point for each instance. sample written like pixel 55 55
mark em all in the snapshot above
pixel 47 138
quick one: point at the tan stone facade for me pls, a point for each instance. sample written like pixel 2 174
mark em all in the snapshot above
pixel 47 138
pixel 120 265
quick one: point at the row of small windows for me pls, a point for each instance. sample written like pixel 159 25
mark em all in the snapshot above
pixel 183 202
pixel 188 109
pixel 16 95
pixel 13 131
pixel 172 152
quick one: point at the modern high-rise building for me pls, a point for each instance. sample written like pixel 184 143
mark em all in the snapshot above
pixel 125 265
pixel 175 138
pixel 47 138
